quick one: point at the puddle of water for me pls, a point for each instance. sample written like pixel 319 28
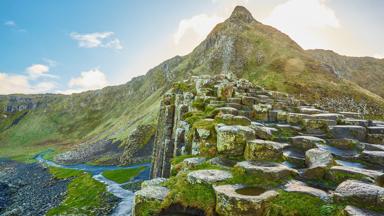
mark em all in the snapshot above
pixel 250 191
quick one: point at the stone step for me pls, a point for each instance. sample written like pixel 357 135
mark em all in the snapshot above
pixel 376 130
pixel 342 173
pixel 348 131
pixel 374 157
pixel 351 114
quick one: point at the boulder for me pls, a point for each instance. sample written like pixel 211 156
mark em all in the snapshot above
pixel 267 170
pixel 306 142
pixel 348 131
pixel 193 162
pixel 354 211
pixel 231 203
pixel 318 162
pixel 374 157
pixel 342 173
pixel 231 140
pixel 360 194
pixel 301 187
pixel 149 198
pixel 153 182
pixel 208 176
pixel 264 150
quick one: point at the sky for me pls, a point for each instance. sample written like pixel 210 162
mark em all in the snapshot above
pixel 51 46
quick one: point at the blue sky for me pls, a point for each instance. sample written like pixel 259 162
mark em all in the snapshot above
pixel 72 46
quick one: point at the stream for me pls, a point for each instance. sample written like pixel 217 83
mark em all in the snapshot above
pixel 125 206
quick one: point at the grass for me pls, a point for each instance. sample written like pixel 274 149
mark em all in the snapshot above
pixel 84 196
pixel 291 203
pixel 122 175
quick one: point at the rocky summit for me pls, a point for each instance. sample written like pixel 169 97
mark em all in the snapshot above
pixel 225 146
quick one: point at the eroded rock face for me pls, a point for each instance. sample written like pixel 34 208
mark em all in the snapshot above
pixel 208 176
pixel 360 194
pixel 231 203
pixel 231 140
pixel 306 142
pixel 264 150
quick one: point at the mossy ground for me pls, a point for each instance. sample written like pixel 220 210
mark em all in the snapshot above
pixel 84 196
pixel 122 175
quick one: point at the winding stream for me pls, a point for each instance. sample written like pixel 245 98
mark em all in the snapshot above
pixel 125 206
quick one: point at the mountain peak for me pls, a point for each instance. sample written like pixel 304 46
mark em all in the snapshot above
pixel 241 13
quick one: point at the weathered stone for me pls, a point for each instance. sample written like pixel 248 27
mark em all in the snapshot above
pixel 328 116
pixel 297 118
pixel 354 211
pixel 153 182
pixel 150 196
pixel 375 138
pixel 297 158
pixel 342 173
pixel 263 132
pixel 225 90
pixel 223 162
pixel 373 147
pixel 203 133
pixel 348 131
pixel 318 125
pixel 318 162
pixel 261 111
pixel 301 187
pixel 208 176
pixel 264 150
pixel 374 157
pixel 360 194
pixel 193 162
pixel 227 110
pixel 229 119
pixel 231 140
pixel 345 143
pixel 376 130
pixel 248 101
pixel 234 105
pixel 358 122
pixel 231 203
pixel 351 114
pixel 268 170
pixel 310 110
pixel 234 100
pixel 281 116
pixel 306 142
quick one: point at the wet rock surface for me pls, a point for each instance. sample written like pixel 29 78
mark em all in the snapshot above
pixel 28 189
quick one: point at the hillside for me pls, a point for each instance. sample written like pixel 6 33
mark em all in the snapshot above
pixel 103 120
pixel 367 72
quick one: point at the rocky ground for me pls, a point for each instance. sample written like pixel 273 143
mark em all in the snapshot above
pixel 28 189
pixel 228 147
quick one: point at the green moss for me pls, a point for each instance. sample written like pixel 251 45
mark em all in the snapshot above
pixel 179 159
pixel 283 134
pixel 84 196
pixel 241 177
pixel 148 208
pixel 198 104
pixel 291 203
pixel 122 175
pixel 201 196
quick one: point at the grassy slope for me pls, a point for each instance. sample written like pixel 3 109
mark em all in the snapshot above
pixel 85 195
pixel 122 175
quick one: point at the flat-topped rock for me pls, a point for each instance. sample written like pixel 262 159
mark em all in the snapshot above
pixel 360 194
pixel 263 132
pixel 193 162
pixel 345 143
pixel 264 150
pixel 306 142
pixel 316 126
pixel 231 140
pixel 208 176
pixel 310 110
pixel 227 110
pixel 148 196
pixel 301 187
pixel 348 131
pixel 230 200
pixel 153 182
pixel 318 162
pixel 297 118
pixel 328 116
pixel 229 119
pixel 268 170
pixel 342 173
pixel 261 111
pixel 354 211
pixel 374 157
pixel 351 114
pixel 222 162
pixel 359 122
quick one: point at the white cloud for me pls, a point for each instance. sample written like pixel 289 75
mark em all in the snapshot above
pixel 12 84
pixel 39 70
pixel 192 31
pixel 303 20
pixel 97 39
pixel 379 55
pixel 88 80
pixel 12 24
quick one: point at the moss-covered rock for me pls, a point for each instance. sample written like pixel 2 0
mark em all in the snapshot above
pixel 231 140
pixel 148 200
pixel 264 150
